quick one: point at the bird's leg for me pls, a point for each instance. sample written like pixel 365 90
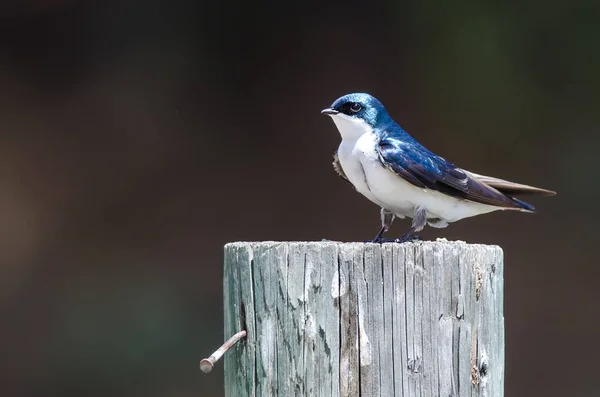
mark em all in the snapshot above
pixel 418 223
pixel 386 221
pixel 379 237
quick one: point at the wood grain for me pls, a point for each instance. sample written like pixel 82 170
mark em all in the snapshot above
pixel 353 319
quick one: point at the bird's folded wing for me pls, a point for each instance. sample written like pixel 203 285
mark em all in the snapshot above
pixel 508 187
pixel 338 167
pixel 424 169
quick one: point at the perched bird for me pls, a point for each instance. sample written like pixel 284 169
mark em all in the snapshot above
pixel 390 168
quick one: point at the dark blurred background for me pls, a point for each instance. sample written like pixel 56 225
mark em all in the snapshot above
pixel 138 137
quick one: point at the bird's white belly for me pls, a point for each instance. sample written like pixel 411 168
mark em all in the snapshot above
pixel 383 187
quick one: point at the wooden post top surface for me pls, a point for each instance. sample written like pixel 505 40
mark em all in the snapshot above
pixel 325 243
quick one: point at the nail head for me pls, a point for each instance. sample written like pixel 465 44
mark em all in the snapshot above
pixel 206 366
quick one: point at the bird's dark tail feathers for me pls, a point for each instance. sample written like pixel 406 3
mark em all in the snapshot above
pixel 523 205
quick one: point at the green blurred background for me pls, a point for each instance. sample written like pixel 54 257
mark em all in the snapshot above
pixel 137 137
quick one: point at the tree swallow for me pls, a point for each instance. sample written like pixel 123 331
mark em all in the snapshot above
pixel 390 168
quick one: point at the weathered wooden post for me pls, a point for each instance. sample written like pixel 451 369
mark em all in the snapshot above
pixel 352 319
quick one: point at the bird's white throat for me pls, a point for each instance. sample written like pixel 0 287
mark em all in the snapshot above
pixel 350 128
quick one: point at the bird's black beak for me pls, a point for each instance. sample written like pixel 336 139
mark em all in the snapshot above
pixel 329 111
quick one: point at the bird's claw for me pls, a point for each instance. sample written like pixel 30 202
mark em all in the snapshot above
pixel 402 239
pixel 408 238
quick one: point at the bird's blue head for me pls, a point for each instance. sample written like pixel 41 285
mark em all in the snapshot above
pixel 355 114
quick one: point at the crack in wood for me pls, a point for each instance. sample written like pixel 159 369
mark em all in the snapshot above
pixel 365 320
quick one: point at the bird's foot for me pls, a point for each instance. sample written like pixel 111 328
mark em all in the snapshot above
pixel 406 238
pixel 403 239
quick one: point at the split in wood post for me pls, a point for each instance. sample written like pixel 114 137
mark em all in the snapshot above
pixel 351 319
pixel 207 364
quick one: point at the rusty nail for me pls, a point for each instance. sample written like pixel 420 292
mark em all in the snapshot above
pixel 207 364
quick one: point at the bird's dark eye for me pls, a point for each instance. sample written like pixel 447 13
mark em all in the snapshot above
pixel 355 107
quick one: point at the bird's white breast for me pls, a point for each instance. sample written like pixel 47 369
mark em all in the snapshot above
pixel 360 161
pixel 350 156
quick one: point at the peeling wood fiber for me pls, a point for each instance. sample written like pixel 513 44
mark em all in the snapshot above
pixel 352 319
